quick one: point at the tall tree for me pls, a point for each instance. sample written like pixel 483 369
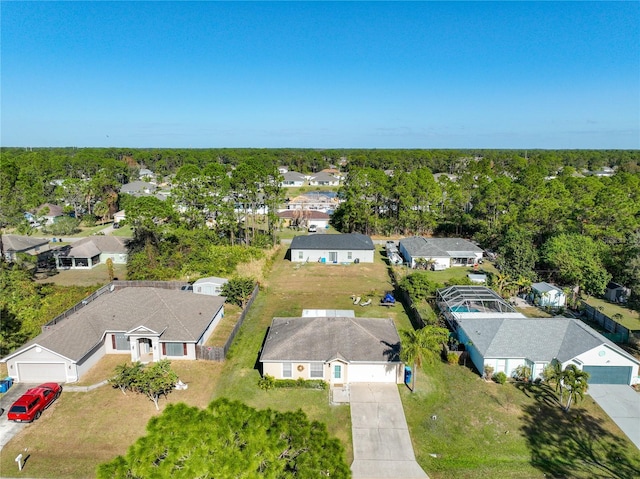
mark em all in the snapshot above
pixel 421 346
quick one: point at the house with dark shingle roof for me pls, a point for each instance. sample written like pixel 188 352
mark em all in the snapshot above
pixel 328 248
pixel 144 324
pixel 441 252
pixel 92 251
pixel 338 350
pixel 14 244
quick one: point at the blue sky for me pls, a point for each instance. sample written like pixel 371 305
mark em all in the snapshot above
pixel 321 75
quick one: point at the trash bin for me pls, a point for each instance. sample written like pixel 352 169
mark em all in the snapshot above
pixel 5 384
pixel 407 375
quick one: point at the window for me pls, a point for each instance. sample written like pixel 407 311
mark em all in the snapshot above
pixel 174 349
pixel 120 342
pixel 316 370
pixel 286 370
pixel 337 371
pixel 300 254
pixel 349 255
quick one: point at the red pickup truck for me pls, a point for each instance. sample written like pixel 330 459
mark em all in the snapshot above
pixel 30 405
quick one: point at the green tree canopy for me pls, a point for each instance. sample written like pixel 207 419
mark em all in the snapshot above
pixel 230 440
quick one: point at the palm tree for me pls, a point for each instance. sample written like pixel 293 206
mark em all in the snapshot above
pixel 421 346
pixel 574 380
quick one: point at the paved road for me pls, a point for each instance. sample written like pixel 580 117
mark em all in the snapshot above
pixel 622 404
pixel 382 446
pixel 8 429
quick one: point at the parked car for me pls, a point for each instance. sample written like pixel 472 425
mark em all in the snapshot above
pixel 116 226
pixel 30 405
pixel 313 228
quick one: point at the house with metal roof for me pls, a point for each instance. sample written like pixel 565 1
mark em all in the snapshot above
pixel 142 323
pixel 334 249
pixel 440 253
pixel 336 349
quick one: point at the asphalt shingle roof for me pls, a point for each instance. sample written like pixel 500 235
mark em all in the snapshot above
pixel 352 241
pixel 94 245
pixel 418 246
pixel 537 339
pixel 21 243
pixel 180 316
pixel 325 338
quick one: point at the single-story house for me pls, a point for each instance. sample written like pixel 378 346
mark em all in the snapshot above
pixel 145 324
pixel 440 252
pixel 14 244
pixel 617 293
pixel 145 174
pixel 325 201
pixel 506 343
pixel 323 179
pixel 49 213
pixel 338 350
pixel 91 251
pixel 138 188
pixel 328 248
pixel 211 286
pixel 292 179
pixel 304 218
pixel 545 294
pixel 477 278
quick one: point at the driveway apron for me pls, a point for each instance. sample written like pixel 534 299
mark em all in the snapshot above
pixel 8 429
pixel 381 443
pixel 622 404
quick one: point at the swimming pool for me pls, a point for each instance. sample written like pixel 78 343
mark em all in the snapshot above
pixel 463 309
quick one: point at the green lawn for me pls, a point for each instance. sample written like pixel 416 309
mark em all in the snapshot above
pixel 486 430
pixel 630 318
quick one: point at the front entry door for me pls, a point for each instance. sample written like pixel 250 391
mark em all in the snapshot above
pixel 337 372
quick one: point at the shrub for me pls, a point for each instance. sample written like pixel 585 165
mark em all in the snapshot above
pixel 300 383
pixel 488 371
pixel 500 377
pixel 266 382
pixel 522 373
pixel 452 358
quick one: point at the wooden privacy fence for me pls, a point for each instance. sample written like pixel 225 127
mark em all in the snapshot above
pixel 213 353
pixel 113 286
pixel 614 331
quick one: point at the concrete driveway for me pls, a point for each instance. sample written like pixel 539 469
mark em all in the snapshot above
pixel 381 443
pixel 622 404
pixel 8 429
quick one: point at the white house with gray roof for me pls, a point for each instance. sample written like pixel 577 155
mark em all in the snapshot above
pixel 328 248
pixel 336 349
pixel 14 244
pixel 92 251
pixel 441 252
pixel 545 294
pixel 144 324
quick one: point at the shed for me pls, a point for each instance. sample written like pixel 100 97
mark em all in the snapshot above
pixel 211 286
pixel 545 294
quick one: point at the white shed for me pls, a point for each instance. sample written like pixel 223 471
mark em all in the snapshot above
pixel 211 286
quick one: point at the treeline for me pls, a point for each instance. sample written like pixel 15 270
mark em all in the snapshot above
pixel 27 176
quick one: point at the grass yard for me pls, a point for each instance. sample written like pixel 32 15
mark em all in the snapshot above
pixel 486 430
pixel 630 319
pixel 82 429
pixel 86 277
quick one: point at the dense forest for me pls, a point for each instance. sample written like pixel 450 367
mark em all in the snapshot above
pixel 550 215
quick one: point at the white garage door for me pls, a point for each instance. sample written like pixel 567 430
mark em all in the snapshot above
pixel 41 372
pixel 372 373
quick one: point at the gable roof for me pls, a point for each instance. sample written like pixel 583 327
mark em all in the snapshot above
pixel 54 210
pixel 537 339
pixel 418 246
pixel 21 243
pixel 322 176
pixel 180 316
pixel 350 241
pixel 137 187
pixel 326 338
pixel 544 287
pixel 294 176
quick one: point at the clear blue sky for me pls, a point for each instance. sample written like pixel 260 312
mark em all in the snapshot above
pixel 313 74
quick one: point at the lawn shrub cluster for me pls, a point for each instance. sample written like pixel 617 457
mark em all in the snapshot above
pixel 500 377
pixel 269 382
